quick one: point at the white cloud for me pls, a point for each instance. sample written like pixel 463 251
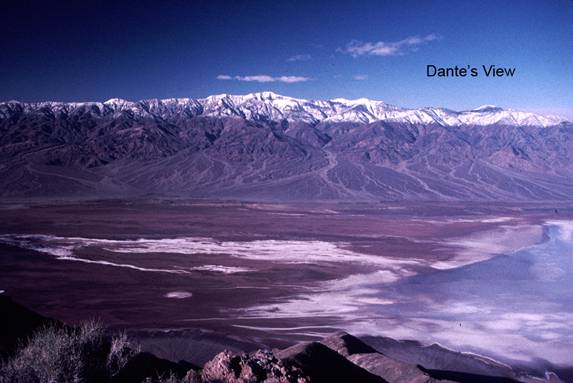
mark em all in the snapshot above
pixel 264 78
pixel 302 57
pixel 357 48
pixel 360 77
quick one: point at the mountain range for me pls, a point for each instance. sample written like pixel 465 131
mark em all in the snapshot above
pixel 264 146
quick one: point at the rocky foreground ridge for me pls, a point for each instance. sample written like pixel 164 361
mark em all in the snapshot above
pixel 340 357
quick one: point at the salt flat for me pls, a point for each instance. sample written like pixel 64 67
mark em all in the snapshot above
pixel 485 279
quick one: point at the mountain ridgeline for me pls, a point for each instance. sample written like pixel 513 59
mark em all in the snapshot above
pixel 264 146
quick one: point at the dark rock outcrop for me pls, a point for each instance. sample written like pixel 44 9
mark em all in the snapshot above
pixel 365 356
pixel 18 324
pixel 145 365
pixel 323 365
pixel 260 366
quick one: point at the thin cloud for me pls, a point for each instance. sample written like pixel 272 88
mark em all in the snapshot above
pixel 303 57
pixel 357 48
pixel 264 78
pixel 360 77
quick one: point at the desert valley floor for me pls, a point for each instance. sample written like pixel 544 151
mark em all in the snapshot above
pixel 183 276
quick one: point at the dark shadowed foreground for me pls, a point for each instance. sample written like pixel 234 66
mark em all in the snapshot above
pixel 50 351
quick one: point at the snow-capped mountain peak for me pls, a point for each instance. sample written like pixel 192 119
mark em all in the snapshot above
pixel 272 106
pixel 486 108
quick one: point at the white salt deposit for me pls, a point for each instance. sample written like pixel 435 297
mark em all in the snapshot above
pixel 178 295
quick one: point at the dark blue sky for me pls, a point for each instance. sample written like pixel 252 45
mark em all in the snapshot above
pixel 77 50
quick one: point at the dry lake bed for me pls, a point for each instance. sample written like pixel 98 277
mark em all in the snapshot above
pixel 190 278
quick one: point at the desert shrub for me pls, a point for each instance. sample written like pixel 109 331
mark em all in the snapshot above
pixel 121 351
pixel 56 354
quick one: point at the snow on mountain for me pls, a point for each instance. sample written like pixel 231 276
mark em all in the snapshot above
pixel 121 148
pixel 271 106
pixel 489 115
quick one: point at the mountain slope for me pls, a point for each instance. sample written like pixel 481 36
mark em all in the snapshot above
pixel 267 146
